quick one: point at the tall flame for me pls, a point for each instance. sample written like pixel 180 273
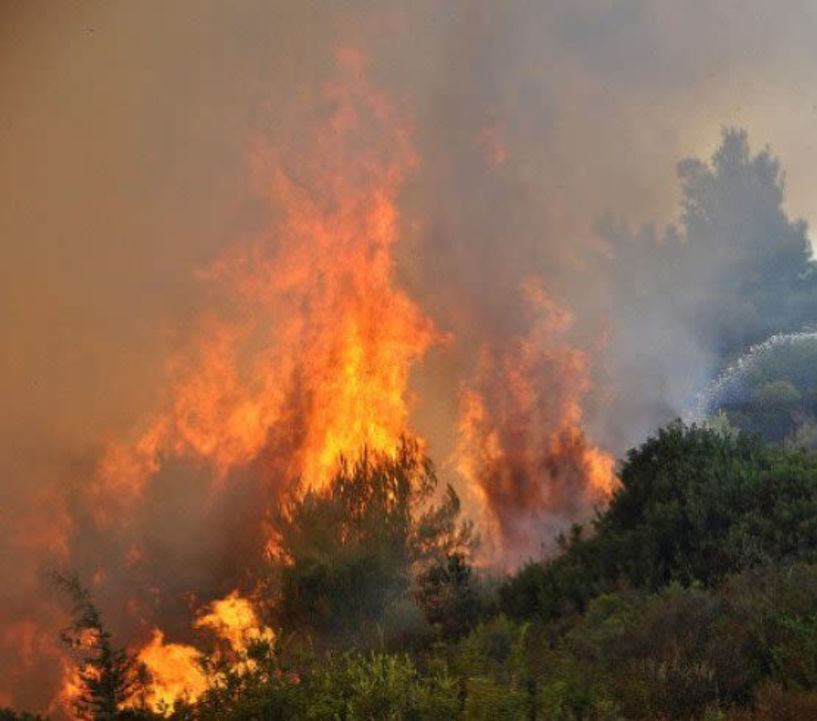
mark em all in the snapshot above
pixel 310 357
pixel 520 444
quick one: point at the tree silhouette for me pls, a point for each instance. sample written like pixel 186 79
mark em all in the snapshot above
pixel 109 678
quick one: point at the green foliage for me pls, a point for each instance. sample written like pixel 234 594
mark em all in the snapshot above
pixel 674 661
pixel 487 700
pixel 349 551
pixel 694 505
pixel 259 684
pixel 691 597
pixel 380 686
pixel 494 648
pixel 774 394
pixel 349 686
pixel 737 270
pixel 775 607
pixel 446 593
pixel 680 653
pixel 492 660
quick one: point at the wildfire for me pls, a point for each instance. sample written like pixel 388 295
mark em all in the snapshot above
pixel 312 354
pixel 233 619
pixel 175 671
pixel 70 692
pixel 309 352
pixel 307 356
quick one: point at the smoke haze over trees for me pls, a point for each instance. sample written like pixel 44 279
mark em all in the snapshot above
pixel 686 301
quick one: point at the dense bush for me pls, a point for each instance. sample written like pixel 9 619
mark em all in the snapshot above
pixel 694 506
pixel 348 554
pixel 773 393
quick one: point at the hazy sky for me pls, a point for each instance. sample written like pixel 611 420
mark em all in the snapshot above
pixel 125 126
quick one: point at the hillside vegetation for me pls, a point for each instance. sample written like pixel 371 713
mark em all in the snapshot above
pixel 692 596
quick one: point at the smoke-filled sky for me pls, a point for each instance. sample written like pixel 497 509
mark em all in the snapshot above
pixel 129 136
pixel 125 133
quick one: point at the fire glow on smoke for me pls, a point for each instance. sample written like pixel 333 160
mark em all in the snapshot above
pixel 309 356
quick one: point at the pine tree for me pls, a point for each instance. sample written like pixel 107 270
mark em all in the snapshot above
pixel 109 678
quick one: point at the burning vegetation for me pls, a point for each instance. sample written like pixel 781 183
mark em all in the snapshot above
pixel 521 444
pixel 310 355
pixel 290 397
pixel 303 364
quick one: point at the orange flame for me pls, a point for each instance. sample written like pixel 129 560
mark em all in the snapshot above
pixel 520 444
pixel 312 354
pixel 70 692
pixel 174 668
pixel 234 620
pixel 307 355
pixel 174 671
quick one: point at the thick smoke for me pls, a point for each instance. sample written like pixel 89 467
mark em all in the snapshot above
pixel 543 131
pixel 685 302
